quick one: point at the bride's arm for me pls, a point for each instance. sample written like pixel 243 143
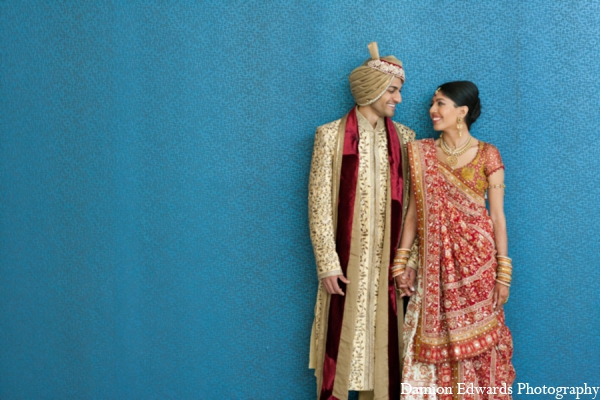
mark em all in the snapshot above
pixel 406 282
pixel 496 202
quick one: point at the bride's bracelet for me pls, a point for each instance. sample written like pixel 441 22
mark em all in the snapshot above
pixel 398 270
pixel 503 283
pixel 501 186
pixel 504 270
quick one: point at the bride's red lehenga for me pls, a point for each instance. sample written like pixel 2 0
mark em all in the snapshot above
pixel 454 341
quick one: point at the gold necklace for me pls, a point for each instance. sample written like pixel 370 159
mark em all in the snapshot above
pixel 453 155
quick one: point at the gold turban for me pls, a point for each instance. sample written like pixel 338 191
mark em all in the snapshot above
pixel 369 81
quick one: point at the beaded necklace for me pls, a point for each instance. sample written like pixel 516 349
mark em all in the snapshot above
pixel 453 155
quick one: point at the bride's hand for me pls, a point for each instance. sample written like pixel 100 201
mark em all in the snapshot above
pixel 406 282
pixel 500 296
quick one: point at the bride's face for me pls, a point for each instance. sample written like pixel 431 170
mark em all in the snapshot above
pixel 444 113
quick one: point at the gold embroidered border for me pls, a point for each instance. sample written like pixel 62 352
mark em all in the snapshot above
pixel 416 172
pixel 469 334
pixel 443 349
pixel 474 340
pixel 464 188
pixel 474 277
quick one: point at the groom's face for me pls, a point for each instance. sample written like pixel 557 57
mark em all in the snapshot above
pixel 385 106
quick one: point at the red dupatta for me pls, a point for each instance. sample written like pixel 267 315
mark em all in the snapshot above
pixel 456 242
pixel 346 201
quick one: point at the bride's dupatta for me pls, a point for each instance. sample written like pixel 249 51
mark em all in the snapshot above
pixel 457 319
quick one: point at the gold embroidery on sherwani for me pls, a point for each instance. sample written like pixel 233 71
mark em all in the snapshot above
pixel 325 185
pixel 372 187
pixel 319 202
pixel 322 230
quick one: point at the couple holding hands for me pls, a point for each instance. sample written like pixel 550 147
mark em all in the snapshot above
pixel 413 267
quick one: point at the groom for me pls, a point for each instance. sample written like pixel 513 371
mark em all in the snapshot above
pixel 358 197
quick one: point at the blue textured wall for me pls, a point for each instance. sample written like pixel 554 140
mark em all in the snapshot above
pixel 153 170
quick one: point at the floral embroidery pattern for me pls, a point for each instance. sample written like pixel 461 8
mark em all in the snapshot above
pixel 372 182
pixel 372 186
pixel 319 201
pixel 388 68
pixel 486 162
pixel 451 332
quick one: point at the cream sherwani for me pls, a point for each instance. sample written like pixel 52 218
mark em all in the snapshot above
pixel 369 271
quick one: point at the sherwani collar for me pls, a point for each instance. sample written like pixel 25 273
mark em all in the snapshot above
pixel 364 124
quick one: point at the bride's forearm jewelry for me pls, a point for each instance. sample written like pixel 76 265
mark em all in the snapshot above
pixel 504 270
pixel 400 262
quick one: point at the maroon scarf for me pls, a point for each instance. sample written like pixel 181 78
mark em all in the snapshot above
pixel 346 200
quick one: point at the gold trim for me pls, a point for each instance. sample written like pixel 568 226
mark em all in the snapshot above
pixel 473 195
pixel 419 160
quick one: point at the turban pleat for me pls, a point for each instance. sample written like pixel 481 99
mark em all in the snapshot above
pixel 368 84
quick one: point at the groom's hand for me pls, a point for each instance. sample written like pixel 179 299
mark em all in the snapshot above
pixel 332 286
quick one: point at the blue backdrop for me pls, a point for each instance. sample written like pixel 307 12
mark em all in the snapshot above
pixel 154 161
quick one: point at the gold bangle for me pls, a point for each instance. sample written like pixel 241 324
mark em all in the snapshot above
pixel 398 273
pixel 504 258
pixel 504 268
pixel 503 283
